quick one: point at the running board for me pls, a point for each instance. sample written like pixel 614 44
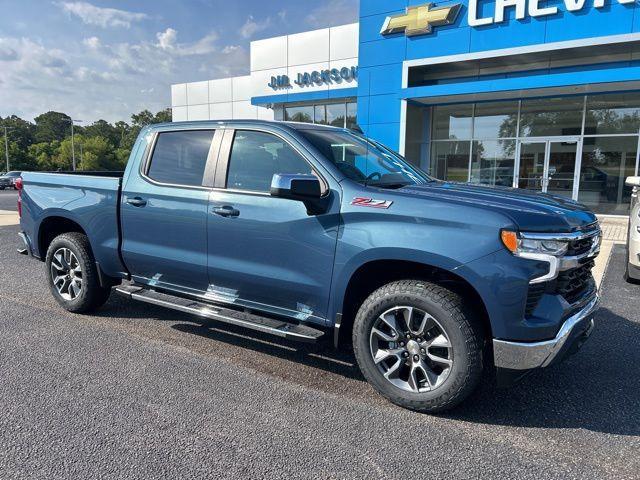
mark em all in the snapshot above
pixel 271 326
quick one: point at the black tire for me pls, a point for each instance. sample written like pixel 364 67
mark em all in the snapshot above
pixel 464 333
pixel 91 295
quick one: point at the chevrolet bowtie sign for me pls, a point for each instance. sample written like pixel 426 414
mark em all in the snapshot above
pixel 420 20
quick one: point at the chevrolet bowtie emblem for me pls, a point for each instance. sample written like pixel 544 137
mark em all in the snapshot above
pixel 420 20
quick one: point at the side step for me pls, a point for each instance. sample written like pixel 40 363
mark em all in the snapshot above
pixel 271 326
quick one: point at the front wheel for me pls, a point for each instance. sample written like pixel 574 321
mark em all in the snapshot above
pixel 418 345
pixel 73 274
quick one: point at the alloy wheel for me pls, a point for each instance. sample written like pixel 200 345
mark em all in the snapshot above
pixel 66 273
pixel 411 349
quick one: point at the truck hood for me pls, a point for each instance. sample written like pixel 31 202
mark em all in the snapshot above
pixel 530 211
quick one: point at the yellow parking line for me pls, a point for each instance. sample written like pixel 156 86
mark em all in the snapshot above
pixel 8 218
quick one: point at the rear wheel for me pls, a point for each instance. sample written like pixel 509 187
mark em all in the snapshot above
pixel 73 274
pixel 418 345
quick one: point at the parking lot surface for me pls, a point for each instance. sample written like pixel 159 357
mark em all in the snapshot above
pixel 8 199
pixel 136 391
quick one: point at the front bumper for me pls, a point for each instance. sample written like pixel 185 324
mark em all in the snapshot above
pixel 529 355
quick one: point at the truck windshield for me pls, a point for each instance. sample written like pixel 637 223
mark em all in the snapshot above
pixel 364 161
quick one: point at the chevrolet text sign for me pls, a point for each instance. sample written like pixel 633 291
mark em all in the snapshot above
pixel 421 20
pixel 530 7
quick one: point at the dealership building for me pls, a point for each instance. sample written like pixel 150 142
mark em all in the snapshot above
pixel 535 94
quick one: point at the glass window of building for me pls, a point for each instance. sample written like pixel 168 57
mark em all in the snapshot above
pixel 606 163
pixel 495 120
pixel 452 122
pixel 352 115
pixel 450 161
pixel 320 114
pixel 613 114
pixel 551 117
pixel 343 115
pixel 303 114
pixel 336 114
pixel 492 162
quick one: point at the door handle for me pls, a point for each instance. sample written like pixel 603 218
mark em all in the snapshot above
pixel 137 201
pixel 226 211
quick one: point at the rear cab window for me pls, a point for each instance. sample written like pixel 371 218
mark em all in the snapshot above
pixel 180 157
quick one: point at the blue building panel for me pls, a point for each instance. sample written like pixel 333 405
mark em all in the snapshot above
pixel 613 19
pixel 446 41
pixel 530 31
pixel 384 108
pixel 380 89
pixel 382 79
pixel 376 7
pixel 386 133
pixel 382 52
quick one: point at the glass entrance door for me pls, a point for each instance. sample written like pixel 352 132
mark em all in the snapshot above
pixel 548 166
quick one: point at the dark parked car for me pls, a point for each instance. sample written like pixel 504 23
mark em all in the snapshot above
pixel 8 180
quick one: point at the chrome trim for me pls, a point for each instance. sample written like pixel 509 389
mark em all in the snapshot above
pixel 554 266
pixel 530 355
pixel 27 246
pixel 336 330
pixel 573 236
pixel 560 264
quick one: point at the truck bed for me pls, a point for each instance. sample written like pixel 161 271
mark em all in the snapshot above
pixel 91 200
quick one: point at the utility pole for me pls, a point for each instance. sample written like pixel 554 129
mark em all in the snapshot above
pixel 73 148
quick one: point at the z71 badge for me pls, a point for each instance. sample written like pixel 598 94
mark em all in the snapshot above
pixel 370 202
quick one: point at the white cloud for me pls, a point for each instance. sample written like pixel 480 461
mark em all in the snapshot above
pixel 333 12
pixel 92 42
pixel 102 17
pixel 167 39
pixel 95 79
pixel 251 26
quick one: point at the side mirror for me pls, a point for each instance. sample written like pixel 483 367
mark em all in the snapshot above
pixel 304 188
pixel 632 182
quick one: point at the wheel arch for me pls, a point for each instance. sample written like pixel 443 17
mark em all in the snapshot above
pixel 373 274
pixel 52 226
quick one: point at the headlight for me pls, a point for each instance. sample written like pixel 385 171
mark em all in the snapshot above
pixel 518 245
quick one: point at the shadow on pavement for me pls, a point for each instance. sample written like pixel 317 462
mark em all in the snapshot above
pixel 597 389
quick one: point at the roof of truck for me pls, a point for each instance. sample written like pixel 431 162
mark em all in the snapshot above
pixel 201 123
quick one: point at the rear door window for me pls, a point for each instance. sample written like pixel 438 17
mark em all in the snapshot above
pixel 257 156
pixel 180 158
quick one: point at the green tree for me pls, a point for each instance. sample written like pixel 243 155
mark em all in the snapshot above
pixel 44 155
pixel 52 126
pixel 97 154
pixel 104 129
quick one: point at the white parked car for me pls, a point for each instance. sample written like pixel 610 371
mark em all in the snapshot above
pixel 633 239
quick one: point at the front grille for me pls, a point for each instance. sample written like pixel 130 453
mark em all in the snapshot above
pixel 536 290
pixel 580 247
pixel 572 284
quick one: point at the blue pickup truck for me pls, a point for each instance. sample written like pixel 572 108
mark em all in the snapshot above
pixel 309 232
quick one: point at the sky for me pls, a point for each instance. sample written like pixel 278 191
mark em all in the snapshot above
pixel 108 59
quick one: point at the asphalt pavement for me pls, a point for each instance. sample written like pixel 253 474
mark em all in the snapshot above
pixel 136 391
pixel 8 200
